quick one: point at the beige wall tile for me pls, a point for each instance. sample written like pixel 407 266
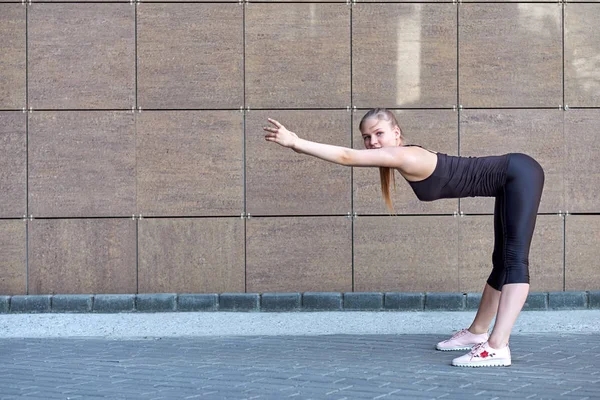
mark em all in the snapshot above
pixel 190 56
pixel 297 55
pixel 282 182
pixel 81 56
pixel 13 164
pixel 13 257
pixel 510 55
pixel 409 60
pixel 94 1
pixel 305 1
pixel 190 163
pixel 81 164
pixel 436 130
pixel 299 254
pixel 82 256
pixel 582 178
pixel 399 1
pixel 12 63
pixel 582 252
pixel 191 1
pixel 153 1
pixel 406 254
pixel 203 255
pixel 503 1
pixel 476 245
pixel 537 133
pixel 582 59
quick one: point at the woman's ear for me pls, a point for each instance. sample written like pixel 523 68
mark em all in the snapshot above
pixel 398 135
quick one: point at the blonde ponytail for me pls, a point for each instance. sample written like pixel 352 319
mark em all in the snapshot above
pixel 387 180
pixel 386 174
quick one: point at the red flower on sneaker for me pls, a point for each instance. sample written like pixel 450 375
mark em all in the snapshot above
pixel 484 354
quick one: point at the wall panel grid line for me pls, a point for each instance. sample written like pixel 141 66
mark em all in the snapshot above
pixel 254 216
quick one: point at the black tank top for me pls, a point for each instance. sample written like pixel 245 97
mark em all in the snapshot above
pixel 457 176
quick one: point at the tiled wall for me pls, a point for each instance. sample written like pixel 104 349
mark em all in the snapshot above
pixel 113 110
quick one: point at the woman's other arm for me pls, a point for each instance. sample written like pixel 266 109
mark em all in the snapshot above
pixel 384 157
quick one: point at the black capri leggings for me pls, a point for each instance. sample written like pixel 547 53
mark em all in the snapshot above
pixel 514 220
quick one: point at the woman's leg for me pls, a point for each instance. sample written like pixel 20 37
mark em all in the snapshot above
pixel 512 300
pixel 488 306
pixel 522 194
pixel 465 339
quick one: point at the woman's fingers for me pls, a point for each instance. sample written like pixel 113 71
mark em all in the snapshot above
pixel 277 124
pixel 276 133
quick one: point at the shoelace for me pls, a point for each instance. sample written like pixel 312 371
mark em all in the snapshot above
pixel 476 348
pixel 458 334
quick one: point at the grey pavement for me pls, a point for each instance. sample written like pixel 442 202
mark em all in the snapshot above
pixel 344 355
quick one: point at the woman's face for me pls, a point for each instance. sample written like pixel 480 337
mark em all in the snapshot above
pixel 377 133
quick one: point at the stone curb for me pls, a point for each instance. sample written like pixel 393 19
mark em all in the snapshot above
pixel 4 304
pixel 594 299
pixel 404 301
pixel 322 301
pixel 72 303
pixel 280 302
pixel 363 301
pixel 159 302
pixel 197 302
pixel 31 304
pixel 114 303
pixel 239 302
pixel 283 302
pixel 567 300
pixel 472 301
pixel 536 301
pixel 445 301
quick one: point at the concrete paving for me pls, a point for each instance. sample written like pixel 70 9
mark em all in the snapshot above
pixel 344 355
pixel 292 323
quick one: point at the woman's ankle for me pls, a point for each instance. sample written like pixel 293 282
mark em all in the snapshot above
pixel 475 330
pixel 497 345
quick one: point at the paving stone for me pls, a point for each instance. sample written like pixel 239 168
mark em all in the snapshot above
pixel 322 301
pixel 156 302
pixel 444 301
pixel 198 302
pixel 114 303
pixel 239 302
pixel 30 304
pixel 4 304
pixel 473 300
pixel 280 302
pixel 567 300
pixel 359 301
pixel 353 366
pixel 404 301
pixel 536 301
pixel 594 299
pixel 72 303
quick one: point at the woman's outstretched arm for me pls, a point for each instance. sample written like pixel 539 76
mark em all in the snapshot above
pixel 384 157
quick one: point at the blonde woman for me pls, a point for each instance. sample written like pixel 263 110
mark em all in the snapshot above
pixel 515 180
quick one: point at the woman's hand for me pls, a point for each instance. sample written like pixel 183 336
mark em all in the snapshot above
pixel 280 135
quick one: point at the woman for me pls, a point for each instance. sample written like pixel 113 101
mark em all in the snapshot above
pixel 515 180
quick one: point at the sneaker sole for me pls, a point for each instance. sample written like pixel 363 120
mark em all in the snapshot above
pixel 490 363
pixel 453 348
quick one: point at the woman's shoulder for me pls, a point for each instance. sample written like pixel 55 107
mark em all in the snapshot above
pixel 417 145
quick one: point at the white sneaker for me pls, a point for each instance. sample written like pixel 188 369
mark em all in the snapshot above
pixel 462 340
pixel 482 355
